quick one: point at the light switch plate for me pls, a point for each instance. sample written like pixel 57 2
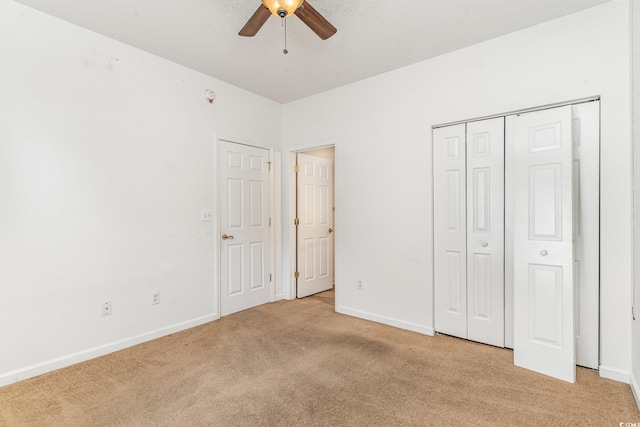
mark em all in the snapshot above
pixel 206 215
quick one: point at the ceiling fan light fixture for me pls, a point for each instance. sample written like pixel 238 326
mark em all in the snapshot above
pixel 282 8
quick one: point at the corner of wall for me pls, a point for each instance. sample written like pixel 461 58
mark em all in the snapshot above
pixel 635 389
pixel 634 35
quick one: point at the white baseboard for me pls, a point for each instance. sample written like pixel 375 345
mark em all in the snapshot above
pixel 636 390
pixel 615 374
pixel 278 297
pixel 82 356
pixel 387 321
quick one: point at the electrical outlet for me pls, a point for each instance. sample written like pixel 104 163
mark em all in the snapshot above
pixel 106 308
pixel 360 286
pixel 155 298
pixel 206 215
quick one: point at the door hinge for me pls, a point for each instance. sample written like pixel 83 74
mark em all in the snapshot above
pixel 268 165
pixel 296 221
pixel 296 168
pixel 270 277
pixel 296 274
pixel 269 222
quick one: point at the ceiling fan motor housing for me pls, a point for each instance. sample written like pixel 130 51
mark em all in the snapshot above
pixel 285 8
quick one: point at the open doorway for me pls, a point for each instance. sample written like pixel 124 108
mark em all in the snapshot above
pixel 314 221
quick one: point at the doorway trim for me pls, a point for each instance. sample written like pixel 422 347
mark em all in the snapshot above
pixel 217 225
pixel 289 214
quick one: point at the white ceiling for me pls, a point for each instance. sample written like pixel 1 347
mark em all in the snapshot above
pixel 374 36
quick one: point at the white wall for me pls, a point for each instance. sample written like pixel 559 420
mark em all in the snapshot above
pixel 382 126
pixel 635 65
pixel 106 159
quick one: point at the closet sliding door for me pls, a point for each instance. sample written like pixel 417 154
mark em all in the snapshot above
pixel 469 230
pixel 516 249
pixel 550 305
pixel 543 258
pixel 485 231
pixel 450 230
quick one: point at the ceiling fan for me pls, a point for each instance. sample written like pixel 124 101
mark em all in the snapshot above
pixel 284 8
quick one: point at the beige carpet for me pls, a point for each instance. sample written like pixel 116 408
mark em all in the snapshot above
pixel 298 363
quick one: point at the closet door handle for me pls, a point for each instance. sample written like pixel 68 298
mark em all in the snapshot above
pixel 543 252
pixel 485 244
pixel 225 237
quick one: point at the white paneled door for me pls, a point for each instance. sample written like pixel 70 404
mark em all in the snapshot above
pixel 450 230
pixel 469 230
pixel 485 231
pixel 245 249
pixel 314 230
pixel 543 243
pixel 516 235
pixel 586 230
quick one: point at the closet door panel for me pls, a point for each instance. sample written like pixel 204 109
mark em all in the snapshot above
pixel 543 243
pixel 450 230
pixel 586 230
pixel 485 231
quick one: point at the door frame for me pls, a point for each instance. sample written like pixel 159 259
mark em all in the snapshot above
pixel 217 226
pixel 289 214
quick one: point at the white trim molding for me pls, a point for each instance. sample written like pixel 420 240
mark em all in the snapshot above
pixel 425 330
pixel 635 389
pixel 615 374
pixel 82 356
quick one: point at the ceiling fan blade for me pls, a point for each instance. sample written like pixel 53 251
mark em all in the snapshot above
pixel 315 21
pixel 256 22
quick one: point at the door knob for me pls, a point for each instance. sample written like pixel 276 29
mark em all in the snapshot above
pixel 485 244
pixel 225 237
pixel 331 230
pixel 543 252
